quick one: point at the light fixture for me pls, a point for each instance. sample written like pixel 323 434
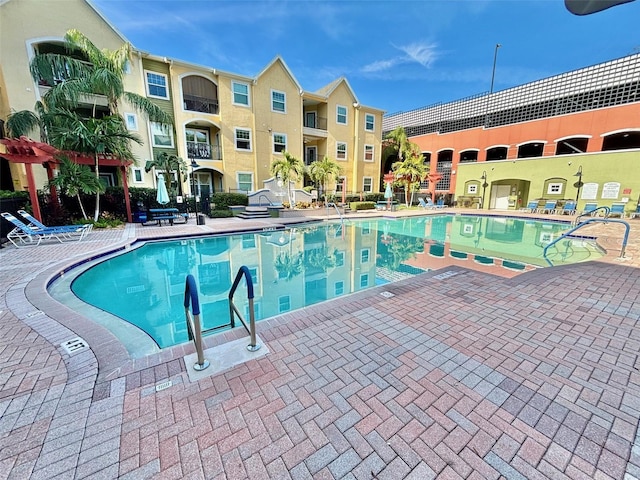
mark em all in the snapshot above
pixel 579 183
pixel 484 185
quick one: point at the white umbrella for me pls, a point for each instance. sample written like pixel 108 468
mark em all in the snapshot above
pixel 163 195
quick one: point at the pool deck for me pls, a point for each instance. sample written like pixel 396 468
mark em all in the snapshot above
pixel 442 375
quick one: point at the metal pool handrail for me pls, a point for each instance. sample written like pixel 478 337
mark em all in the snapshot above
pixel 582 224
pixel 590 213
pixel 251 328
pixel 193 324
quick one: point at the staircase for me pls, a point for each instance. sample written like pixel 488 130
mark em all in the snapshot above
pixel 251 213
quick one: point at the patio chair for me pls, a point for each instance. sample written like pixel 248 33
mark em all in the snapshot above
pixel 65 230
pixel 589 208
pixel 617 210
pixel 569 208
pixel 23 235
pixel 428 204
pixel 531 207
pixel 549 207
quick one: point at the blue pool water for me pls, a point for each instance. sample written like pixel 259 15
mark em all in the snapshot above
pixel 309 264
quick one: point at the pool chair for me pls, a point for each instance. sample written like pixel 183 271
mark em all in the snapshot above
pixel 617 210
pixel 23 235
pixel 428 204
pixel 636 213
pixel 549 207
pixel 71 231
pixel 569 208
pixel 531 207
pixel 589 208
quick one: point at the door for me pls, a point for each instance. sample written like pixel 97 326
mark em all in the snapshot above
pixel 311 154
pixel 310 119
pixel 500 197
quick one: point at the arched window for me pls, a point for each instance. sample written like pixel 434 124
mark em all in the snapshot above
pixel 468 156
pixel 496 153
pixel 199 95
pixel 529 150
pixel 621 141
pixel 567 146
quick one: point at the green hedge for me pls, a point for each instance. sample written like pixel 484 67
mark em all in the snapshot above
pixel 224 200
pixel 362 206
pixel 220 214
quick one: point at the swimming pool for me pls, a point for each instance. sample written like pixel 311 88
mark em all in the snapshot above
pixel 308 264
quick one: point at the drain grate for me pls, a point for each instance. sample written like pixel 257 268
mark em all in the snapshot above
pixel 387 294
pixel 444 275
pixel 34 314
pixel 74 345
pixel 163 385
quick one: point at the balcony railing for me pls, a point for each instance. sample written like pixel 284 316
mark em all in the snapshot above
pixel 318 122
pixel 193 103
pixel 204 151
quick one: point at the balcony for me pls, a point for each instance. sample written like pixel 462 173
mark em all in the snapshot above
pixel 203 151
pixel 315 127
pixel 194 103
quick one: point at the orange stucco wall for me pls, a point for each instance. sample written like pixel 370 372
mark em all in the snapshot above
pixel 593 123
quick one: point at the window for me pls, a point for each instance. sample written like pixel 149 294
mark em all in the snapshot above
pixel 243 139
pixel 253 271
pixel 364 280
pixel 132 121
pixel 279 142
pixel 161 135
pixel 554 189
pixel 364 255
pixel 341 151
pixel 248 241
pixel 368 153
pixel 369 122
pixel 367 184
pixel 137 175
pixel 127 67
pixel 339 259
pixel 257 311
pixel 157 85
pixel 338 288
pixel 278 101
pixel 342 181
pixel 366 229
pixel 245 181
pixel 284 303
pixel 240 93
pixel 341 114
pixel 472 189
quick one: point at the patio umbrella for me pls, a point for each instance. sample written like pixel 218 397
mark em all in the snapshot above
pixel 163 195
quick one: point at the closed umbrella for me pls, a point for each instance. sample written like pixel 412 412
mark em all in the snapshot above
pixel 163 195
pixel 388 194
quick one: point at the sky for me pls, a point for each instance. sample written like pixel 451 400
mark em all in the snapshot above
pixel 397 55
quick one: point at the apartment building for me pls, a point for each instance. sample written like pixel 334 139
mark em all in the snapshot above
pixel 570 136
pixel 230 126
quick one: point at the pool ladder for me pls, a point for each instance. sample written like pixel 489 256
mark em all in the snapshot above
pixel 194 325
pixel 586 222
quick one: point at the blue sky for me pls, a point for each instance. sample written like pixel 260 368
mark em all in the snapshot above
pixel 397 55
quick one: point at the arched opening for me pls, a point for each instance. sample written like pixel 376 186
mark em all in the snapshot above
pixel 199 94
pixel 568 146
pixel 468 156
pixel 443 167
pixel 529 150
pixel 496 153
pixel 621 141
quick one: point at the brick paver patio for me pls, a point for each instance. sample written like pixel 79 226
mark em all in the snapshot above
pixel 442 375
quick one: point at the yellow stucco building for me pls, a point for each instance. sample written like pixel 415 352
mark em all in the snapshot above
pixel 232 126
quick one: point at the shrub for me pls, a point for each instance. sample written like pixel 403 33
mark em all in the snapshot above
pixel 223 200
pixel 220 214
pixel 303 205
pixel 362 206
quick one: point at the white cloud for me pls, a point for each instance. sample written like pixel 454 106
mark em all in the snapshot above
pixel 423 53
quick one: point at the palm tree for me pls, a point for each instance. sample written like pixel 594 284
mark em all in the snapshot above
pixel 323 171
pixel 73 179
pixel 410 171
pixel 168 163
pixel 73 79
pixel 288 265
pixel 94 137
pixel 287 168
pixel 396 143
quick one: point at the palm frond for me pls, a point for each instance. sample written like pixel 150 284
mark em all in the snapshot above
pixel 22 123
pixel 150 109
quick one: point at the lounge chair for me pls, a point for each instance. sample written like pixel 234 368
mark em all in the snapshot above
pixel 24 235
pixel 617 210
pixel 428 205
pixel 531 207
pixel 589 208
pixel 569 208
pixel 636 213
pixel 549 207
pixel 68 230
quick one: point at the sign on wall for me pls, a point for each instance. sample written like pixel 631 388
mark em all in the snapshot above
pixel 589 191
pixel 611 190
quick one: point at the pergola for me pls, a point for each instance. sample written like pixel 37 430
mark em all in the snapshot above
pixel 27 151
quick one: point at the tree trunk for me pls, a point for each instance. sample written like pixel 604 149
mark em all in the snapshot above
pixel 84 214
pixel 96 213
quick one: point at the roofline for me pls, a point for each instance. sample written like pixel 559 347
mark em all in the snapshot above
pixel 286 67
pixel 106 20
pixel 214 71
